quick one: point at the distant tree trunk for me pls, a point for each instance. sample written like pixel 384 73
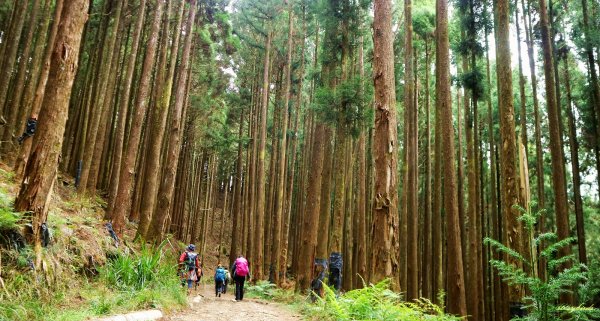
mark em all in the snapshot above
pixel 427 222
pixel 9 55
pixel 236 231
pixel 574 147
pixel 523 114
pixel 411 183
pixel 160 112
pixel 384 243
pixel 498 299
pixel 41 170
pixel 167 186
pixel 456 285
pixel 556 152
pixel 257 260
pixel 126 179
pixel 538 127
pixel 436 210
pixel 109 90
pixel 13 105
pixel 361 211
pixel 279 210
pixel 594 83
pixel 122 118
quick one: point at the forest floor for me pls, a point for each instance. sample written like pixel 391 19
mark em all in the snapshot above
pixel 204 306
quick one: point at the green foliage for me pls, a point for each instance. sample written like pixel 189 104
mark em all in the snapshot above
pixel 563 275
pixel 345 106
pixel 147 269
pixel 373 302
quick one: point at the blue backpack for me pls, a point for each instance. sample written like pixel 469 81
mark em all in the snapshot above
pixel 220 274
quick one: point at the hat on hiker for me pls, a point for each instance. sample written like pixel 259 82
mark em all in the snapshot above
pixel 191 247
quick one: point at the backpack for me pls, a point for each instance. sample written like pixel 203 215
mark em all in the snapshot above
pixel 241 267
pixel 190 260
pixel 220 275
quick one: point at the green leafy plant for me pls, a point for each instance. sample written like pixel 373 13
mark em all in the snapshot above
pixel 373 302
pixel 563 274
pixel 135 272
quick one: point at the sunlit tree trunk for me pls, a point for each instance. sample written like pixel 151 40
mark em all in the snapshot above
pixel 456 285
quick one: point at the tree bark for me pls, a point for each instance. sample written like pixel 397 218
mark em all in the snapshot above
pixel 40 84
pixel 160 112
pixel 384 243
pixel 165 192
pixel 41 170
pixel 260 169
pixel 13 105
pixel 556 151
pixel 574 148
pixel 127 172
pixel 456 285
pixel 122 118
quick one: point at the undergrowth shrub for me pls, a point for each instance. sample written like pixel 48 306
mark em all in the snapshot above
pixel 269 291
pixel 148 269
pixel 373 302
pixel 564 274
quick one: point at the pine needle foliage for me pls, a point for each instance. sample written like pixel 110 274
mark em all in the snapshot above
pixel 564 273
pixel 373 302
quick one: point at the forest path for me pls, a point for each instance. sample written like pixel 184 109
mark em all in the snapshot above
pixel 204 306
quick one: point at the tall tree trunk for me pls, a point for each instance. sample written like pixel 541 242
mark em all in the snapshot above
pixel 160 112
pixel 41 170
pixel 40 86
pixel 508 176
pixel 427 222
pixel 9 56
pixel 167 186
pixel 278 218
pixel 126 181
pixel 412 286
pixel 236 231
pixel 361 211
pixel 122 118
pixel 594 84
pixel 574 147
pixel 384 243
pixel 260 181
pixel 556 151
pixel 13 105
pixel 456 285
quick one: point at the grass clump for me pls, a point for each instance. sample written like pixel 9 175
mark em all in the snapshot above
pixel 373 302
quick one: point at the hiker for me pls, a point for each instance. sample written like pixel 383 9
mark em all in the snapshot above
pixel 227 279
pixel 240 273
pixel 188 261
pixel 220 277
pixel 30 127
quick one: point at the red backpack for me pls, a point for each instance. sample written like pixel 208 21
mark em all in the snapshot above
pixel 241 267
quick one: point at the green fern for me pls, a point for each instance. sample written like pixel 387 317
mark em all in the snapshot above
pixel 544 294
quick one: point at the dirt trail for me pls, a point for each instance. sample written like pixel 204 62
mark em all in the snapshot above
pixel 204 306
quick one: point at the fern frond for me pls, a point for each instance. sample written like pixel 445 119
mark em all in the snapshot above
pixel 499 247
pixel 555 247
